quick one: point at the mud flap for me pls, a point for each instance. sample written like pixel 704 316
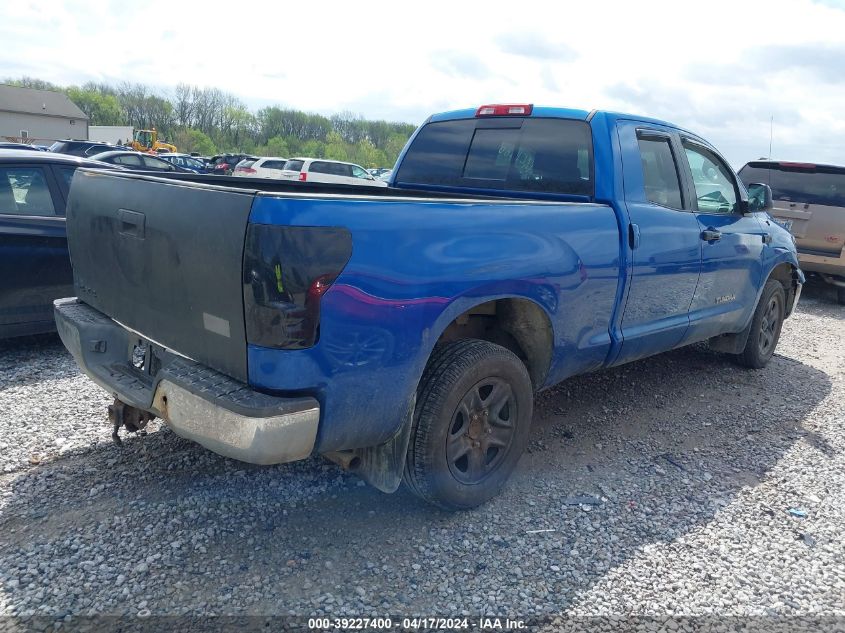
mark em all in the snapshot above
pixel 731 343
pixel 380 466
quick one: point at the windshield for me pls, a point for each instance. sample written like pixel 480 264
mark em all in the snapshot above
pixel 517 154
pixel 144 137
pixel 813 184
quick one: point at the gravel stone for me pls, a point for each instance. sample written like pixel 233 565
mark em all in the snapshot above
pixel 682 469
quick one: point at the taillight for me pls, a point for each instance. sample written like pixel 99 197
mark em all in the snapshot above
pixel 303 176
pixel 287 270
pixel 505 109
pixel 246 170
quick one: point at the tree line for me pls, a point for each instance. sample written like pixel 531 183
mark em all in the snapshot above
pixel 210 121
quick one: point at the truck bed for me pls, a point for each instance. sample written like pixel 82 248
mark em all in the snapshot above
pixel 165 258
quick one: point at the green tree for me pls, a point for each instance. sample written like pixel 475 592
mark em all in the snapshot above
pixel 336 148
pixel 102 109
pixel 194 141
pixel 276 146
pixel 225 122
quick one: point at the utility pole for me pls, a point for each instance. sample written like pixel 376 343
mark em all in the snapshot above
pixel 771 126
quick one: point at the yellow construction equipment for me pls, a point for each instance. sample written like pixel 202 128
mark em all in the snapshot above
pixel 147 141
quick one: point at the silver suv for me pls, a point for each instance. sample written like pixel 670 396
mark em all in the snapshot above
pixel 809 200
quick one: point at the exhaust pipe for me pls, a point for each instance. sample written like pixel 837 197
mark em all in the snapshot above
pixel 347 460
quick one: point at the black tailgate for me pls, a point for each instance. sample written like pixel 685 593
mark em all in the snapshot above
pixel 163 258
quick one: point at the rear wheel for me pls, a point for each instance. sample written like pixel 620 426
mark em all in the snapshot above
pixel 765 327
pixel 471 424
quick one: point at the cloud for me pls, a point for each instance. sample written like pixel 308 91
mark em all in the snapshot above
pixel 460 64
pixel 823 61
pixel 535 46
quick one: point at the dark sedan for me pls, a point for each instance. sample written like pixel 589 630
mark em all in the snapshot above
pixel 137 161
pixel 23 146
pixel 34 262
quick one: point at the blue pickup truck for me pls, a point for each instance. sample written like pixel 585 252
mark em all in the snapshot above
pixel 402 331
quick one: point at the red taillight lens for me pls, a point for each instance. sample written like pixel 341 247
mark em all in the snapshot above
pixel 287 270
pixel 505 109
pixel 246 170
pixel 303 176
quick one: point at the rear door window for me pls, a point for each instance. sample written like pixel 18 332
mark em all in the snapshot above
pixel 24 191
pixel 157 163
pixel 813 184
pixel 660 172
pixel 518 154
pixel 131 160
pixel 319 167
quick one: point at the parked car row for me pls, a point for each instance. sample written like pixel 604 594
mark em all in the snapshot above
pixel 328 171
pixel 139 161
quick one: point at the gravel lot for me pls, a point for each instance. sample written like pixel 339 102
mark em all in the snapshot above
pixel 662 488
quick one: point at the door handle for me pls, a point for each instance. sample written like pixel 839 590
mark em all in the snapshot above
pixel 711 235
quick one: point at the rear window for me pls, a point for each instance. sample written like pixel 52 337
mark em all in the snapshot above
pixel 272 164
pixel 517 154
pixel 293 165
pixel 814 185
pixel 246 163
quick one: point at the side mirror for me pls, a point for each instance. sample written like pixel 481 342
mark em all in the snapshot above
pixel 759 197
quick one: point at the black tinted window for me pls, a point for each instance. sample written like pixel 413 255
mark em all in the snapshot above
pixel 812 184
pixel 660 173
pixel 67 174
pixel 272 164
pixel 318 167
pixel 549 155
pixel 293 165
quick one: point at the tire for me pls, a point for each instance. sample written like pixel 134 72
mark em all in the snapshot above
pixel 471 424
pixel 765 327
pixel 840 296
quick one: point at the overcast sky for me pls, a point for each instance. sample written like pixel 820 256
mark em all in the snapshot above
pixel 721 69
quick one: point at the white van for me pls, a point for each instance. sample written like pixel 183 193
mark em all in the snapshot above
pixel 329 171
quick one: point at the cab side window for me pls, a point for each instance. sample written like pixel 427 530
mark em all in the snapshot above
pixel 715 186
pixel 660 172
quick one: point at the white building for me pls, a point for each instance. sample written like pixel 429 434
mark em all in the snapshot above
pixel 39 116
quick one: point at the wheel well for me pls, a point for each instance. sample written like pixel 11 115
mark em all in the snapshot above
pixel 519 325
pixel 785 274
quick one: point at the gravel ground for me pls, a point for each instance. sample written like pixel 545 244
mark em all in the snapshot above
pixel 659 489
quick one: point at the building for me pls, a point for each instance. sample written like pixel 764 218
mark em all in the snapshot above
pixel 39 116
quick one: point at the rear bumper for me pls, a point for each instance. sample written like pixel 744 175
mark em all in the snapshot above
pixel 828 264
pixel 198 403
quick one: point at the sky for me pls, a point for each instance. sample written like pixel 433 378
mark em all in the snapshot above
pixel 730 71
